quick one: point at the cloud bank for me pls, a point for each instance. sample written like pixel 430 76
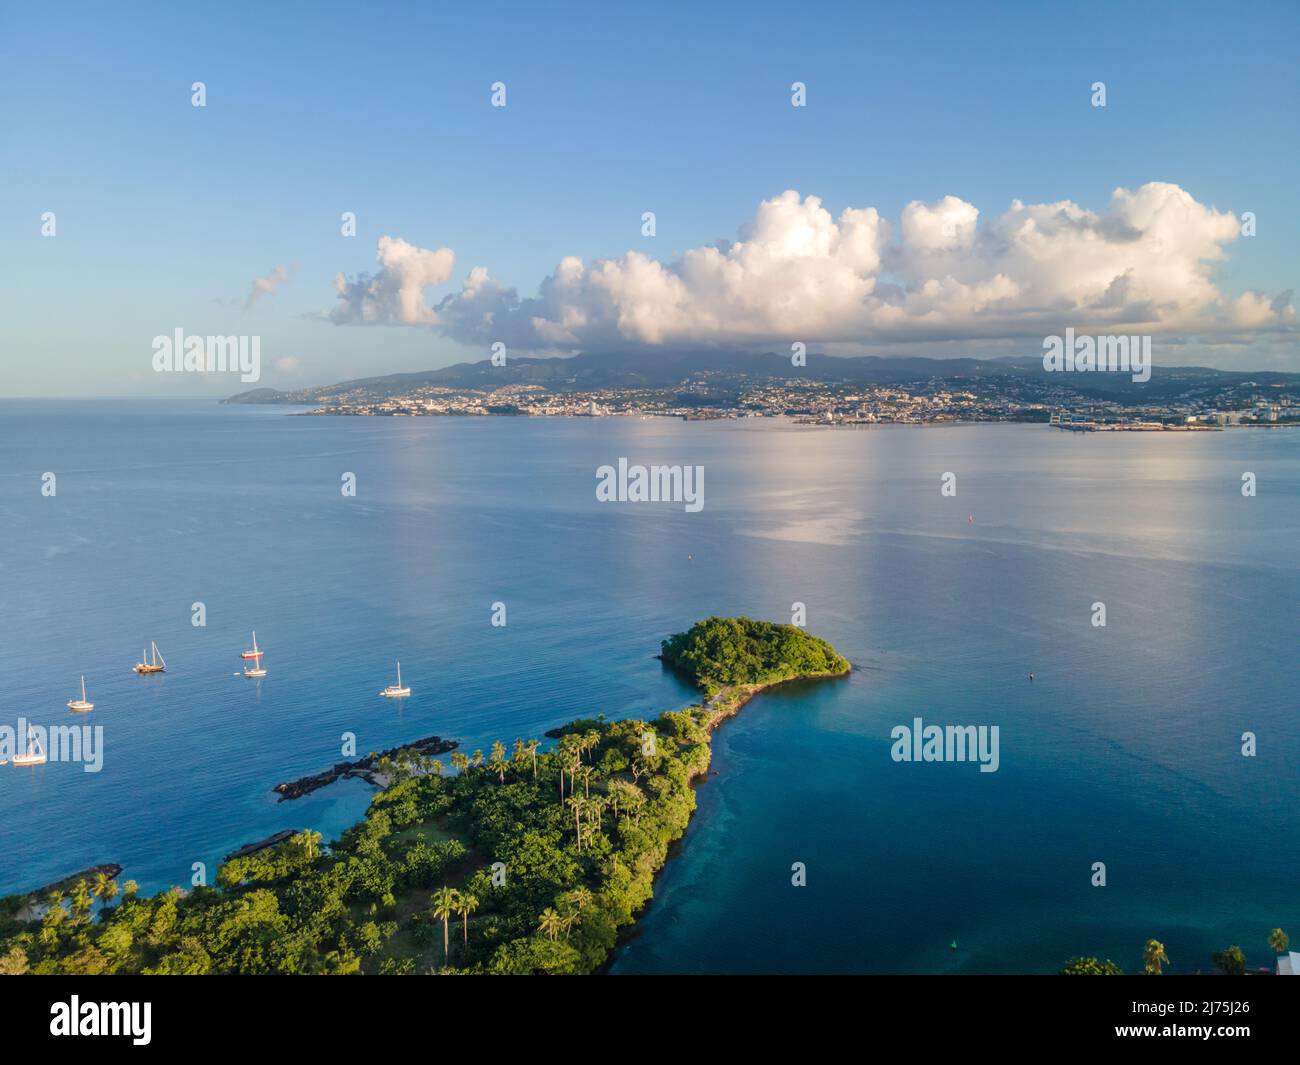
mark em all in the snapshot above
pixel 796 272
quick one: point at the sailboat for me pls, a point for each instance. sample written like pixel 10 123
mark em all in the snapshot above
pixel 35 754
pixel 256 669
pixel 396 691
pixel 81 705
pixel 152 662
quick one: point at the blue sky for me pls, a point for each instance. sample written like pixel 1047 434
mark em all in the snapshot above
pixel 166 213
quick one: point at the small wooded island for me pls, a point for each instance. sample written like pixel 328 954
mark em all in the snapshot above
pixel 523 861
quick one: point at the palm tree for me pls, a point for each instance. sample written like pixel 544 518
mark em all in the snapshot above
pixel 532 749
pixel 81 902
pixel 550 923
pixel 591 811
pixel 459 761
pixel 576 804
pixel 404 758
pixel 465 905
pixel 586 772
pixel 499 759
pixel 445 901
pixel 617 793
pixel 307 844
pixel 52 924
pixel 1154 956
pixel 478 759
pixel 597 807
pixel 567 751
pixel 626 797
pixel 1279 941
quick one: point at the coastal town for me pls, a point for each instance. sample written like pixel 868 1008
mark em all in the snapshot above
pixel 839 404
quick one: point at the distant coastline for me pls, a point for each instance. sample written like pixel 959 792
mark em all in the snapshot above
pixel 822 390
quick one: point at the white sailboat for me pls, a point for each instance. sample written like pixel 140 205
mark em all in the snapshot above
pixel 256 669
pixel 81 705
pixel 151 661
pixel 396 691
pixel 35 754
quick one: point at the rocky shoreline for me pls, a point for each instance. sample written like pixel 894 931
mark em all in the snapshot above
pixel 365 768
pixel 261 844
pixel 67 883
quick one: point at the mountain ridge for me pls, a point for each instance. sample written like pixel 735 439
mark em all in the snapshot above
pixel 722 369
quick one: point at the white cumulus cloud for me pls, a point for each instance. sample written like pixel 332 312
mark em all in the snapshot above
pixel 797 272
pixel 394 294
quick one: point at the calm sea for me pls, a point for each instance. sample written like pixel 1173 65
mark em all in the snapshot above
pixel 1125 749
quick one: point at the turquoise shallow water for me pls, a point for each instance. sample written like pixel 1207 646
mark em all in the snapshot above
pixel 1125 749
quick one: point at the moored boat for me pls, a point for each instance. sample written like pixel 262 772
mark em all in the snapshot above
pixel 396 691
pixel 34 754
pixel 83 704
pixel 151 661
pixel 256 669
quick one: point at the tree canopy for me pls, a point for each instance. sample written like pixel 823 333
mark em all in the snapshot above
pixel 719 652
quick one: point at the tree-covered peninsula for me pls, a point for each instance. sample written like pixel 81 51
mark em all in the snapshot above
pixel 522 860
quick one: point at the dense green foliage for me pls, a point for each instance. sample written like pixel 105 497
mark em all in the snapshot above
pixel 1091 967
pixel 388 896
pixel 536 859
pixel 1231 961
pixel 720 652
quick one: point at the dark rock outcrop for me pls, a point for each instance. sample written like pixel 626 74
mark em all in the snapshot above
pixel 363 767
pixel 261 844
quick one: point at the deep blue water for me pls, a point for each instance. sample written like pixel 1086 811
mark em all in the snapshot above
pixel 1125 749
